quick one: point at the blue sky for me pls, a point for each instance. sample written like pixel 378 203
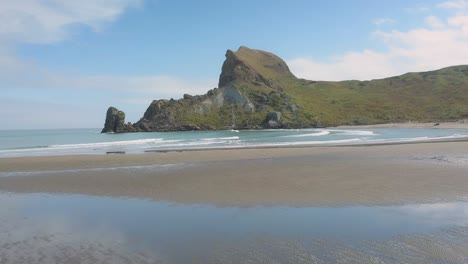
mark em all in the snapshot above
pixel 62 63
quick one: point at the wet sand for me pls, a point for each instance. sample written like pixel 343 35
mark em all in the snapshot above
pixel 307 176
pixel 443 125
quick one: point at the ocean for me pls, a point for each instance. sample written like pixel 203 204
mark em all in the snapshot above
pixel 17 143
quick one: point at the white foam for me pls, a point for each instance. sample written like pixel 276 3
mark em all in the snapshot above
pixel 354 132
pixel 112 143
pixel 199 143
pixel 296 143
pixel 317 134
pixel 299 137
pixel 220 138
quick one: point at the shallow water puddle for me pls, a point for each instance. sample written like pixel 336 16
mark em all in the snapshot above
pixel 42 227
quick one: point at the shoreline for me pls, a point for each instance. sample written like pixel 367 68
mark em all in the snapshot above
pixel 462 124
pixel 306 176
pixel 369 144
pixel 292 144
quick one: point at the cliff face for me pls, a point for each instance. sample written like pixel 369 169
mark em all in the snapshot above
pixel 256 67
pixel 257 90
pixel 233 105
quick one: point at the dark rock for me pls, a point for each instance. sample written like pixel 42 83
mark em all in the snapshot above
pixel 212 92
pixel 160 114
pixel 235 70
pixel 188 96
pixel 190 127
pixel 143 126
pixel 115 121
pixel 272 119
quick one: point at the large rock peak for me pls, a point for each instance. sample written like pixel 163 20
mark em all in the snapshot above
pixel 232 67
pixel 253 67
pixel 251 83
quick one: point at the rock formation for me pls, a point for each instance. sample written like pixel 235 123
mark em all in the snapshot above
pixel 232 105
pixel 257 90
pixel 115 121
pixel 273 119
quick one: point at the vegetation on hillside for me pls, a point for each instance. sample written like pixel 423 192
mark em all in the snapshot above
pixel 440 95
pixel 254 84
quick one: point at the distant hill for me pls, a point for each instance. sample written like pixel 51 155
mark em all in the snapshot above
pixel 257 90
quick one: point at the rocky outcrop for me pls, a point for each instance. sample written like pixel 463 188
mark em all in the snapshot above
pixel 231 95
pixel 234 104
pixel 187 96
pixel 115 121
pixel 256 90
pixel 256 67
pixel 272 120
pixel 161 116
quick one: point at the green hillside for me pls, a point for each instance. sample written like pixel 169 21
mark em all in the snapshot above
pixel 257 90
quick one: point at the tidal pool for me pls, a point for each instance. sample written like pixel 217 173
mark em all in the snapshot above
pixel 44 228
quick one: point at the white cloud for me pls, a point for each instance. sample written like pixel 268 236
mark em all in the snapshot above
pixel 161 86
pixel 455 4
pixel 53 21
pixel 434 22
pixel 48 21
pixel 27 114
pixel 352 65
pixel 417 10
pixel 421 49
pixel 384 20
pixel 131 94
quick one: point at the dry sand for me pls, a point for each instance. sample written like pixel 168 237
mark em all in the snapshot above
pixel 312 176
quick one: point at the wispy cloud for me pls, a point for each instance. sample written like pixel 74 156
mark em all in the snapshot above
pixel 434 22
pixel 49 21
pixel 30 113
pixel 384 20
pixel 455 4
pixel 157 85
pixel 53 21
pixel 417 9
pixel 442 42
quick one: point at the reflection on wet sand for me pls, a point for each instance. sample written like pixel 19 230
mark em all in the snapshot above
pixel 40 228
pixel 379 204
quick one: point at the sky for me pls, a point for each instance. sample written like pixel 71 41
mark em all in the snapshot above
pixel 63 63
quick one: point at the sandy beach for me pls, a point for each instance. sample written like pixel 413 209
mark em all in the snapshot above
pixel 276 205
pixel 462 124
pixel 308 176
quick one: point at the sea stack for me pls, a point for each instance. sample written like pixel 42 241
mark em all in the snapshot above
pixel 115 121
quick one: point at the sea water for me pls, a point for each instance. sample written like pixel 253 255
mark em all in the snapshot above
pixel 91 141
